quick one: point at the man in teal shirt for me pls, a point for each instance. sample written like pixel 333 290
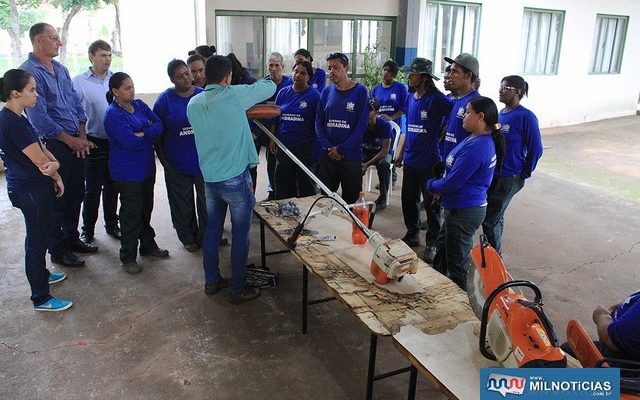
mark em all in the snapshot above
pixel 226 153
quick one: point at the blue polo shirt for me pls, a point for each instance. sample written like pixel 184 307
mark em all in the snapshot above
pixel 131 158
pixel 375 135
pixel 296 125
pixel 92 92
pixel 342 120
pixel 58 108
pixel 425 119
pixel 625 328
pixel 178 143
pixel 285 82
pixel 455 132
pixel 523 142
pixel 468 174
pixel 392 99
pixel 319 80
pixel 16 134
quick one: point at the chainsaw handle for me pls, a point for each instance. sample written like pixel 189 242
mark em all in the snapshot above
pixel 487 305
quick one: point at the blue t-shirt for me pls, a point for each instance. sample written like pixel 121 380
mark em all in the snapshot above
pixel 16 134
pixel 296 124
pixel 319 80
pixel 375 135
pixel 285 82
pixel 523 142
pixel 179 145
pixel 468 173
pixel 455 132
pixel 342 120
pixel 131 157
pixel 391 99
pixel 425 119
pixel 625 328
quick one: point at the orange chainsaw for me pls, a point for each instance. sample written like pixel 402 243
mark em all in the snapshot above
pixel 513 330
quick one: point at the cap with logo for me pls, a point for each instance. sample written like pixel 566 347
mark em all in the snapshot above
pixel 420 65
pixel 466 60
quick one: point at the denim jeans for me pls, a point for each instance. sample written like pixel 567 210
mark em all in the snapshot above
pixel 236 194
pixel 458 229
pixel 413 185
pixel 98 182
pixel 36 204
pixel 500 193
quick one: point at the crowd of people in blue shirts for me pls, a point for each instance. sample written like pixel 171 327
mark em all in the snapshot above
pixel 462 159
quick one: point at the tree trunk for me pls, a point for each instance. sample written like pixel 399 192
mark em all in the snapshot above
pixel 116 42
pixel 65 32
pixel 14 33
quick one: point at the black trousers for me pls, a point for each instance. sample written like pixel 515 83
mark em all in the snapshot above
pixel 136 206
pixel 188 215
pixel 345 173
pixel 289 178
pixel 413 185
pixel 66 209
pixel 383 166
pixel 98 182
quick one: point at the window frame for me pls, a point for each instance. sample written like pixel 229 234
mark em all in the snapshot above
pixel 558 48
pixel 624 41
pixel 476 34
pixel 311 29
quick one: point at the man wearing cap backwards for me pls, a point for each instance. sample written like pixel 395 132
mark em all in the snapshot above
pixel 465 70
pixel 427 109
pixel 341 121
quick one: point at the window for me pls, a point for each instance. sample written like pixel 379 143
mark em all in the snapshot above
pixel 242 36
pixel 253 36
pixel 449 29
pixel 541 37
pixel 608 43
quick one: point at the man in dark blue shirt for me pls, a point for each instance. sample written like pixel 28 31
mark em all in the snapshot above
pixel 59 119
pixel 341 121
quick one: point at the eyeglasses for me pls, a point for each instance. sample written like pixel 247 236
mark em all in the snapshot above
pixel 505 88
pixel 53 38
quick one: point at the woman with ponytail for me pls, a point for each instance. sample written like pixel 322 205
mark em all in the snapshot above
pixel 523 149
pixel 463 188
pixel 32 183
pixel 132 129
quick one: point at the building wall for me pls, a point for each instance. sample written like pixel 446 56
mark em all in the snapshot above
pixel 571 96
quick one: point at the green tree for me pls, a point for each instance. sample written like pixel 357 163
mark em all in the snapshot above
pixel 16 20
pixel 372 68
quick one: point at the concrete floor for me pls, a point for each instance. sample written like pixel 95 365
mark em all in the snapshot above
pixel 157 335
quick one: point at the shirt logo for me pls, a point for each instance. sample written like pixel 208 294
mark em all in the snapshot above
pixel 505 129
pixel 423 114
pixel 315 86
pixel 393 96
pixel 350 106
pixel 449 161
pixel 461 112
pixel 303 104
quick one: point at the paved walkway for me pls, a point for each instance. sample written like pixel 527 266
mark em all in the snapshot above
pixel 574 230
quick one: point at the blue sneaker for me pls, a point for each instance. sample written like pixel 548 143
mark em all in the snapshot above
pixel 54 304
pixel 55 277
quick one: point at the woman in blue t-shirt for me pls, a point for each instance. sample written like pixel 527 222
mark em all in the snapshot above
pixel 32 182
pixel 176 150
pixel 318 79
pixel 295 128
pixel 523 149
pixel 132 128
pixel 463 188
